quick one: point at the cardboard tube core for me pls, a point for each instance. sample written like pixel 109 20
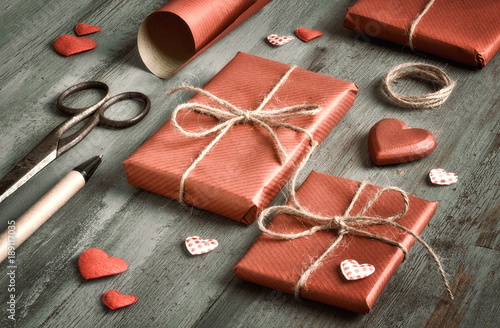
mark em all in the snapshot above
pixel 165 43
pixel 179 31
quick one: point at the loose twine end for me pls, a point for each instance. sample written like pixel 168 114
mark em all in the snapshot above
pixel 415 22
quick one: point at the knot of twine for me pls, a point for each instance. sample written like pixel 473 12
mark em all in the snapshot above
pixel 346 224
pixel 234 115
pixel 426 72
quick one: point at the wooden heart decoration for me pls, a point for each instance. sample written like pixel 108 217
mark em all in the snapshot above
pixel 95 263
pixel 84 29
pixel 196 246
pixel 441 177
pixel 352 270
pixel 277 40
pixel 307 35
pixel 114 299
pixel 68 45
pixel 390 141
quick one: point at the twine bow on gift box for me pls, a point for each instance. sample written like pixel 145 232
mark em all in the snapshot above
pixel 234 115
pixel 345 224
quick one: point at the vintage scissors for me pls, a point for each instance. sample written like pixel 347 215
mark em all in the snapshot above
pixel 53 145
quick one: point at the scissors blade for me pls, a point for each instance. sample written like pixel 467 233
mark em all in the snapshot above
pixel 37 159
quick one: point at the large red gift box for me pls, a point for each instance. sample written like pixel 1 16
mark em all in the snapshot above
pixel 278 263
pixel 464 31
pixel 242 173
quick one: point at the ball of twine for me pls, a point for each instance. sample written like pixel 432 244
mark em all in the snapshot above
pixel 424 72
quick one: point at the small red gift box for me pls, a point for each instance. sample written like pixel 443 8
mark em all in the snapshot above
pixel 464 31
pixel 242 172
pixel 279 263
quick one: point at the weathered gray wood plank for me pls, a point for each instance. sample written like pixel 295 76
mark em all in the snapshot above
pixel 148 231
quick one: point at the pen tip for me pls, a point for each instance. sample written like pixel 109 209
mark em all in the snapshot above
pixel 100 156
pixel 88 167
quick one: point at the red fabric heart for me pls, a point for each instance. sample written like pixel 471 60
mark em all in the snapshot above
pixel 307 35
pixel 114 299
pixel 84 29
pixel 95 263
pixel 390 141
pixel 68 45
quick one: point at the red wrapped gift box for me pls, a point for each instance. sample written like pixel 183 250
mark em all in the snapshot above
pixel 242 173
pixel 278 263
pixel 464 31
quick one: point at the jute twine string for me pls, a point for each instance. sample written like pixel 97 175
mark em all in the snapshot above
pixel 343 225
pixel 235 115
pixel 426 72
pixel 415 22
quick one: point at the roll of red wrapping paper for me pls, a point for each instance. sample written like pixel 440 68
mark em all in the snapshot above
pixel 178 32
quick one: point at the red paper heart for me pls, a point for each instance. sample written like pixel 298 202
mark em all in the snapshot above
pixel 307 35
pixel 95 263
pixel 390 141
pixel 114 299
pixel 352 270
pixel 68 45
pixel 84 29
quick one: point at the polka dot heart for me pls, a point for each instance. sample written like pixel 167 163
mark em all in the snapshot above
pixel 352 270
pixel 277 40
pixel 196 246
pixel 441 177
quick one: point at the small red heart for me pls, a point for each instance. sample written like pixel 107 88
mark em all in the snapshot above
pixel 307 35
pixel 390 141
pixel 68 45
pixel 114 299
pixel 95 263
pixel 84 29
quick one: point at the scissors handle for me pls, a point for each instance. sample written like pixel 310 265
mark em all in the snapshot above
pixel 86 111
pixel 98 109
pixel 121 124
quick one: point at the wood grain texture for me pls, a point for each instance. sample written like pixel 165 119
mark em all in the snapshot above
pixel 176 289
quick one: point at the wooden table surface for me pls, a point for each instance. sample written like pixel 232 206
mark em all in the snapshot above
pixel 176 289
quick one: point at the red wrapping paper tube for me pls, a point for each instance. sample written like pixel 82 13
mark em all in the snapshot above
pixel 178 32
